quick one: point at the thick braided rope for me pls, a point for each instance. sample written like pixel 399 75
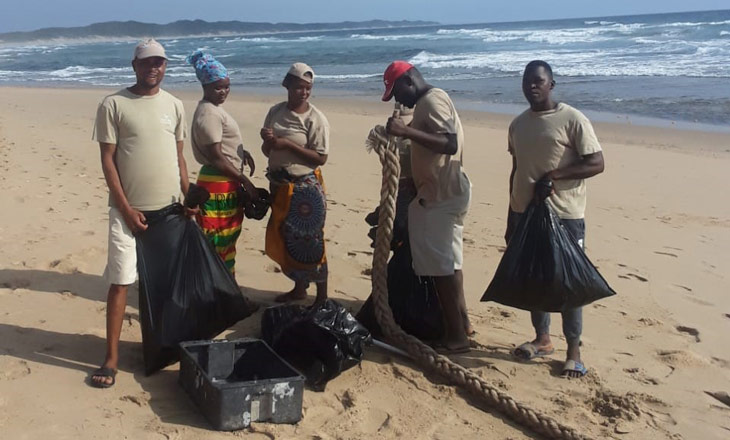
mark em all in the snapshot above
pixel 422 353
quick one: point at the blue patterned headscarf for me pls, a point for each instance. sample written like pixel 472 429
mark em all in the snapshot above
pixel 207 69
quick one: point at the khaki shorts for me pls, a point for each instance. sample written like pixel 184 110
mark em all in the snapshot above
pixel 435 232
pixel 121 265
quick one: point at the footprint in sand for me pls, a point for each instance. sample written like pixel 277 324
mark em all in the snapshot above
pixel 681 358
pixel 140 400
pixel 650 322
pixel 638 277
pixel 347 400
pixel 67 294
pixel 690 331
pixel 640 375
pixel 13 369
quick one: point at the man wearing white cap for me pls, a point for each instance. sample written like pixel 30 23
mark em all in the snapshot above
pixel 140 130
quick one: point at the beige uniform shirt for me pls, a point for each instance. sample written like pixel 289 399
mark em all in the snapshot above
pixel 437 176
pixel 309 129
pixel 146 130
pixel 542 142
pixel 212 125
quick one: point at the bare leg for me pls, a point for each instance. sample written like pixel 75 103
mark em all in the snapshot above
pixel 297 293
pixel 459 275
pixel 448 288
pixel 116 303
pixel 321 293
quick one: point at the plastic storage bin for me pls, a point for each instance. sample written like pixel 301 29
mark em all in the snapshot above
pixel 238 382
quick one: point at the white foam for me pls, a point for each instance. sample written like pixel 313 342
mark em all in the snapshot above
pixel 389 37
pixel 703 62
pixel 76 71
pixel 345 77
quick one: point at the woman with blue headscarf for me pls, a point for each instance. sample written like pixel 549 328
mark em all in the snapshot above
pixel 218 146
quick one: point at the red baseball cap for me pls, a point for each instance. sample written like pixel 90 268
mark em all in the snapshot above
pixel 395 70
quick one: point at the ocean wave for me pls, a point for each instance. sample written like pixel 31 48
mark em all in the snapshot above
pixel 696 63
pixel 274 39
pixel 548 36
pixel 75 71
pixel 390 37
pixel 345 77
pixel 252 40
pixel 694 23
pixel 601 22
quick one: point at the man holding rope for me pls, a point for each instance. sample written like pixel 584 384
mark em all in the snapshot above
pixel 436 215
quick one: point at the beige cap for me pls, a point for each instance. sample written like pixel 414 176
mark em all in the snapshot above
pixel 302 71
pixel 149 48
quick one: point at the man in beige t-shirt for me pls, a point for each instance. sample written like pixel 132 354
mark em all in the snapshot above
pixel 436 215
pixel 140 131
pixel 553 150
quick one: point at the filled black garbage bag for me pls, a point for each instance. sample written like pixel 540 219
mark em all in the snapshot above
pixel 544 268
pixel 321 342
pixel 413 300
pixel 185 291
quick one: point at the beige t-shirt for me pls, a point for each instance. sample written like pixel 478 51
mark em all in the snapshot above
pixel 309 129
pixel 211 125
pixel 542 142
pixel 437 176
pixel 146 130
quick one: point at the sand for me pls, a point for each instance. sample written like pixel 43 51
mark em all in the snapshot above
pixel 658 228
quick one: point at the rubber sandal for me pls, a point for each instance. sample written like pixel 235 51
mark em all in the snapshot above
pixel 528 351
pixel 103 372
pixel 573 367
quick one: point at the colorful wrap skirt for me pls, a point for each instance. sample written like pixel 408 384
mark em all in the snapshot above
pixel 295 232
pixel 221 216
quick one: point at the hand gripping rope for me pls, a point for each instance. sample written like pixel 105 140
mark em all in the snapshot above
pixel 424 355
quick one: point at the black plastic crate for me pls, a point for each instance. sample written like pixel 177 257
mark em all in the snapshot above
pixel 238 382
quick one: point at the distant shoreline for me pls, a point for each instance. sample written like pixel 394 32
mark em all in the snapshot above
pixel 156 31
pixel 129 38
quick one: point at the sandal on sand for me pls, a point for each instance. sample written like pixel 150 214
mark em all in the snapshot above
pixel 103 372
pixel 528 351
pixel 573 367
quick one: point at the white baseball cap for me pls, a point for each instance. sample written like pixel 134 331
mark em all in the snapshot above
pixel 149 48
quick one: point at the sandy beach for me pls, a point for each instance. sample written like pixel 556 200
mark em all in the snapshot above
pixel 658 228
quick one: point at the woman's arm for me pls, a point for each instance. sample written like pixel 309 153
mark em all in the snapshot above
pixel 311 157
pixel 222 164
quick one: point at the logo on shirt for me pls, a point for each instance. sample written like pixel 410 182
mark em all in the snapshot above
pixel 166 120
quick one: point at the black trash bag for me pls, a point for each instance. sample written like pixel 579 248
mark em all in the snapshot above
pixel 321 342
pixel 413 300
pixel 185 291
pixel 544 269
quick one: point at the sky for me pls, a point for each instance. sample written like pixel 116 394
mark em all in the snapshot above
pixel 35 14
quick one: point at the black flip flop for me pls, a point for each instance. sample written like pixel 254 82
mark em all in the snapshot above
pixel 103 372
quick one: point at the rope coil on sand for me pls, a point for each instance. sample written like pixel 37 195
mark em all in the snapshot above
pixel 422 353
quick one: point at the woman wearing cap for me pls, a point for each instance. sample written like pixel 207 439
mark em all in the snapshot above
pixel 296 141
pixel 217 145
